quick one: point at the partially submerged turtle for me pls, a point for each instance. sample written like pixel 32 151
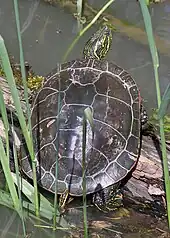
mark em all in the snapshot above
pixel 112 147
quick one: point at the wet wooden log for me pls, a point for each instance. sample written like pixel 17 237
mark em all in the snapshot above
pixel 145 186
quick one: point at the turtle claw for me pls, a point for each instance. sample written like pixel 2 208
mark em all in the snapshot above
pixel 108 199
pixel 64 198
pixel 62 201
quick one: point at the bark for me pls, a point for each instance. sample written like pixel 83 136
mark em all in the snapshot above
pixel 146 185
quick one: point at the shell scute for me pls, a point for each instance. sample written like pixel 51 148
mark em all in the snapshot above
pixel 133 145
pixel 127 79
pixel 115 69
pixel 126 160
pixel 116 172
pixel 84 94
pixel 110 85
pixel 100 65
pixel 46 180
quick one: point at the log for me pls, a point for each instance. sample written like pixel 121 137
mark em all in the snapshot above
pixel 145 186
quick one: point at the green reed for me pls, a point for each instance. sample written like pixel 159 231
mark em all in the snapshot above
pixel 5 151
pixel 18 178
pixel 5 122
pixel 165 103
pixel 46 208
pixel 57 152
pixel 79 14
pixel 155 61
pixel 28 134
pixel 81 33
pixel 79 8
pixel 87 119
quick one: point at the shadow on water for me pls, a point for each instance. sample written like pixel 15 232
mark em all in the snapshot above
pixel 123 223
pixel 126 222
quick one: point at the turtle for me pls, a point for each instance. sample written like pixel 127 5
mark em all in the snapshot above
pixel 112 145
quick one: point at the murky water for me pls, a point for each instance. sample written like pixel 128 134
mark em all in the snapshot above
pixel 121 224
pixel 47 32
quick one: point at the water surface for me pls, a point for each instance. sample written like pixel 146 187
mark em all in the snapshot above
pixel 47 32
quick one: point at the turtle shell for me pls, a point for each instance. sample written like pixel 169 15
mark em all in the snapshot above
pixel 113 149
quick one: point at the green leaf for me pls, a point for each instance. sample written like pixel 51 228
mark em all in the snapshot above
pixel 46 208
pixel 28 191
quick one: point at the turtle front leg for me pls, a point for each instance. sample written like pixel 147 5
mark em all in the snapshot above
pixel 108 199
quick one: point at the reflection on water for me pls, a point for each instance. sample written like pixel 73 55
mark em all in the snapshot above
pixel 47 32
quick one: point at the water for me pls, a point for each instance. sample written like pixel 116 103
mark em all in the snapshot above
pixel 47 32
pixel 121 224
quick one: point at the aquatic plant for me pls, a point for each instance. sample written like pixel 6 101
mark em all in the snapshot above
pixel 164 101
pixel 45 208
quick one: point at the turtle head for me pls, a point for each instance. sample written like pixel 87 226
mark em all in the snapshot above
pixel 99 44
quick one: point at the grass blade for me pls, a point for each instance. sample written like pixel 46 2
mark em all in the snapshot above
pixel 152 46
pixel 57 153
pixel 165 102
pixel 86 28
pixel 30 144
pixel 79 14
pixel 5 121
pixel 5 168
pixel 28 191
pixel 11 82
pixel 18 181
pixel 14 92
pixel 88 117
pixel 79 8
pixel 84 176
pixel 5 165
pixel 22 62
pixel 46 208
pixel 3 112
pixel 155 60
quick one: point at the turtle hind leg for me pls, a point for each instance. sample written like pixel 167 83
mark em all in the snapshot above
pixel 146 127
pixel 63 200
pixel 143 116
pixel 108 199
